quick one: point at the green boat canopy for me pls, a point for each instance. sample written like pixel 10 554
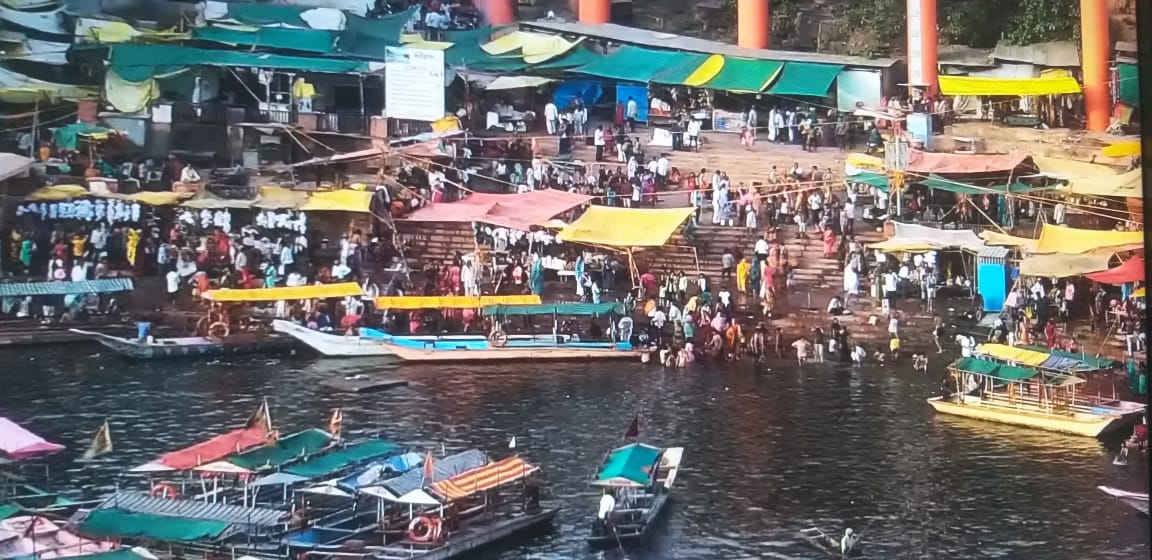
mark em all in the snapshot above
pixel 635 64
pixel 582 309
pixel 285 450
pixel 806 79
pixel 878 180
pixel 331 462
pixel 114 523
pixel 995 370
pixel 745 75
pixel 1087 362
pixel 142 62
pixel 631 465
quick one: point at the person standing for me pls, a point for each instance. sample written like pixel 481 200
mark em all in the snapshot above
pixel 551 118
pixel 631 113
pixel 598 141
pixel 753 121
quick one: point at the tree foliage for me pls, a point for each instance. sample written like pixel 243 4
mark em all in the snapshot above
pixel 1039 21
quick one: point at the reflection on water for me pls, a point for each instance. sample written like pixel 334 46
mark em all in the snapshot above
pixel 766 454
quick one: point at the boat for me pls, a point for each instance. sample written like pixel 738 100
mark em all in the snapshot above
pixel 191 346
pixel 1135 500
pixel 639 477
pixel 830 545
pixel 1030 397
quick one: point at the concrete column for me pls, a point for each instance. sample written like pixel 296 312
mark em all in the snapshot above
pixel 1094 52
pixel 595 11
pixel 753 24
pixel 923 65
pixel 500 12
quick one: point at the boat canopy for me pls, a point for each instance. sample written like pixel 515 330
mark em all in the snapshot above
pixel 630 466
pixel 284 450
pixel 1087 363
pixel 453 302
pixel 995 370
pixel 482 479
pixel 315 291
pixel 215 449
pixel 17 443
pixel 99 286
pixel 1040 357
pixel 338 459
pixel 378 471
pixel 442 469
pixel 556 309
pixel 117 524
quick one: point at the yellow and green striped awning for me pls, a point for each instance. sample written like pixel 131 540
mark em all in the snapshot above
pixel 740 75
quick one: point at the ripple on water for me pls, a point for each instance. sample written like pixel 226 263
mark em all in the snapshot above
pixel 767 454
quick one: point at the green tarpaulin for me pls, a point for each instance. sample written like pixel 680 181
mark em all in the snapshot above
pixel 555 309
pixel 305 40
pixel 632 463
pixel 114 523
pixel 678 72
pixel 285 450
pixel 367 38
pixel 8 510
pixel 806 79
pixel 960 187
pixel 65 137
pixel 329 463
pixel 745 75
pixel 142 62
pixel 976 365
pixel 995 370
pixel 877 180
pixel 1129 86
pixel 466 54
pixel 633 64
pixel 254 14
pixel 578 56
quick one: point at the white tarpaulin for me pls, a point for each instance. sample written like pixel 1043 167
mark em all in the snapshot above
pixel 414 83
pixel 516 82
pixel 940 238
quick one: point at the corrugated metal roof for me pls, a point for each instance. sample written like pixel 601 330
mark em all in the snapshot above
pixel 140 502
pixel 643 37
pixel 1059 54
pixel 101 286
pixel 963 55
pixel 993 252
pixel 443 469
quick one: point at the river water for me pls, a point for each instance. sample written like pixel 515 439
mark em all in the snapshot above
pixel 766 453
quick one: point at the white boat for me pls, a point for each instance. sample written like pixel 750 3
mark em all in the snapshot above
pixel 333 345
pixel 640 478
pixel 1135 500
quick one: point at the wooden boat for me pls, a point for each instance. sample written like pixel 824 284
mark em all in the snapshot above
pixel 830 545
pixel 191 346
pixel 1135 500
pixel 1029 397
pixel 363 384
pixel 640 477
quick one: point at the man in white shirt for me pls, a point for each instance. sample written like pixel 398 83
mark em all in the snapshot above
pixel 551 117
pixel 753 120
pixel 172 282
pixel 631 113
pixel 662 171
pixel 693 134
pixel 435 20
pixel 607 504
pixel 598 141
pixel 725 298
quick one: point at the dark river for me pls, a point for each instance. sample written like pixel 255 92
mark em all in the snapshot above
pixel 766 454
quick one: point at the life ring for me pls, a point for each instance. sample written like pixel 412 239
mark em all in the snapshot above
pixel 498 339
pixel 219 329
pixel 424 529
pixel 164 490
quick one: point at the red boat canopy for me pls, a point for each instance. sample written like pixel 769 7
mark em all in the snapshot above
pixel 209 451
pixel 1131 271
pixel 925 163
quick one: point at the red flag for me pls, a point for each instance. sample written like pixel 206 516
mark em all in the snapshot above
pixel 429 468
pixel 633 428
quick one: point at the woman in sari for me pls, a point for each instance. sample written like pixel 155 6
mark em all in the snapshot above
pixel 829 243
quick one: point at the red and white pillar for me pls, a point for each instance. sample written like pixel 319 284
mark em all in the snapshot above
pixel 923 65
pixel 1095 53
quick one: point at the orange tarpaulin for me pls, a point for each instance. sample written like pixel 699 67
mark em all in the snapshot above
pixel 958 164
pixel 483 478
pixel 214 449
pixel 1130 271
pixel 516 211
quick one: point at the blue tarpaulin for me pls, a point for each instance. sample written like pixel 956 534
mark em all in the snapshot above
pixel 101 286
pixel 992 284
pixel 637 93
pixel 588 91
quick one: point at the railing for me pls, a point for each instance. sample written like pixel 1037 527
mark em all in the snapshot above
pixel 345 123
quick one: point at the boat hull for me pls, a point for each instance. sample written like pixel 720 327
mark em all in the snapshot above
pixel 610 537
pixel 1087 425
pixel 333 345
pixel 190 347
pixel 468 540
pixel 1134 500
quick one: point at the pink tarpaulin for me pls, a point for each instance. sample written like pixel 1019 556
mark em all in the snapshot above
pixel 516 211
pixel 958 164
pixel 18 443
pixel 1131 271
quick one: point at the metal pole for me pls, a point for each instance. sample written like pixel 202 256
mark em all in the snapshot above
pixel 35 129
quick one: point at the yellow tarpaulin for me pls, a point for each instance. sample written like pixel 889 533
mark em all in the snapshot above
pixel 1127 148
pixel 1140 292
pixel 129 97
pixel 1071 169
pixel 1125 184
pixel 343 200
pixel 69 192
pixel 1003 239
pixel 273 197
pixel 452 302
pixel 58 192
pixel 864 160
pixel 966 85
pixel 1007 353
pixel 416 41
pixel 318 291
pixel 534 47
pixel 1062 266
pixel 1059 239
pixel 625 227
pixel 157 198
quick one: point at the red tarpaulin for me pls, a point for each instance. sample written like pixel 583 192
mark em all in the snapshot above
pixel 958 164
pixel 214 449
pixel 1131 271
pixel 516 211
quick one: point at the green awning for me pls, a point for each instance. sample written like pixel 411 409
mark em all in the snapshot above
pixel 466 54
pixel 285 450
pixel 628 465
pixel 367 38
pixel 251 13
pixel 142 62
pixel 329 463
pixel 306 40
pixel 678 72
pixel 959 187
pixel 8 510
pixel 806 79
pixel 578 56
pixel 634 64
pixel 878 180
pixel 555 309
pixel 1129 86
pixel 745 75
pixel 114 523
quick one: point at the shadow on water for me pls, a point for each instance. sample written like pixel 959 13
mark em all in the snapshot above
pixel 767 452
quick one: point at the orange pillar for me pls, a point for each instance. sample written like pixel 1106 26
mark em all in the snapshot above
pixel 752 24
pixel 595 11
pixel 499 12
pixel 1094 52
pixel 922 44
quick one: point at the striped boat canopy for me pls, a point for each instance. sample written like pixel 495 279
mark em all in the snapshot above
pixel 100 286
pixel 492 475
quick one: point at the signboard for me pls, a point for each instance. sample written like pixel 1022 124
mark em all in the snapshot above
pixel 915 23
pixel 413 84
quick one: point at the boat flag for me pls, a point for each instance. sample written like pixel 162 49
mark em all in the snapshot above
pixel 336 422
pixel 101 443
pixel 512 443
pixel 633 428
pixel 429 468
pixel 261 418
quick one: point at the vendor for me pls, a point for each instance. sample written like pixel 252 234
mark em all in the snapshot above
pixel 189 179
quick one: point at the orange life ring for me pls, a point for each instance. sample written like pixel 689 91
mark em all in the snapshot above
pixel 164 490
pixel 424 529
pixel 219 329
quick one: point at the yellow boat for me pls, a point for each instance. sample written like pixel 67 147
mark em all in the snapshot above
pixel 1075 423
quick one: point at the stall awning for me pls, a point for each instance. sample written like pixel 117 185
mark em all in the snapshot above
pixel 343 200
pixel 1062 265
pixel 516 82
pixel 687 68
pixel 402 303
pixel 927 163
pixel 205 200
pixel 744 75
pixel 625 227
pixel 960 187
pixel 1131 271
pixel 1060 239
pixel 142 62
pixel 13 165
pixel 305 40
pixel 273 197
pixel 318 291
pixel 971 86
pixel 1129 185
pixel 634 64
pixel 568 309
pixel 806 79
pixel 996 238
pixel 878 180
pixel 1068 169
pixel 516 211
pixel 99 286
pixel 1129 84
